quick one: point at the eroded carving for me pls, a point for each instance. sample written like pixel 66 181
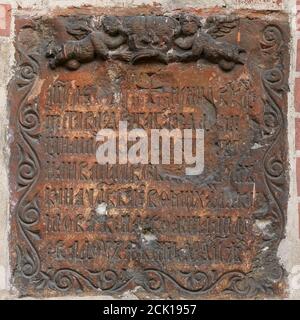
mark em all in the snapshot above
pixel 212 234
pixel 165 39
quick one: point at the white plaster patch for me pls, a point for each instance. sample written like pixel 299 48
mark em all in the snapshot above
pixel 256 146
pixel 2 278
pixel 262 224
pixel 101 209
pixel 148 237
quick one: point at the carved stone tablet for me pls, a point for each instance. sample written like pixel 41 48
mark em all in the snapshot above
pixel 79 225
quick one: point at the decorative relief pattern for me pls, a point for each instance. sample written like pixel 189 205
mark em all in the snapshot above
pixel 139 40
pixel 28 168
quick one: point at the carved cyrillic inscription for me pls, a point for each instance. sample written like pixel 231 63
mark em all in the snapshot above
pixel 163 223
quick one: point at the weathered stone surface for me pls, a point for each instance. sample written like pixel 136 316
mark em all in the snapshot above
pixel 78 226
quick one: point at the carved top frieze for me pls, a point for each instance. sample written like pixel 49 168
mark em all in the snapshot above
pixel 136 39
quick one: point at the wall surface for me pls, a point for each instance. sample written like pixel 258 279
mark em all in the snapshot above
pixel 289 251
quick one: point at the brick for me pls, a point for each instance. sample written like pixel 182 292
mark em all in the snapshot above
pixel 298 175
pixel 5 19
pixel 298 19
pixel 297 95
pixel 297 128
pixel 268 2
pixel 299 219
pixel 298 56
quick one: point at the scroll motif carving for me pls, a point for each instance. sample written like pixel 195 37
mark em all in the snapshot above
pixel 28 261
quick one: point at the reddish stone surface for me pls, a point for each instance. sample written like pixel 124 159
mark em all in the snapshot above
pixel 78 226
pixel 5 20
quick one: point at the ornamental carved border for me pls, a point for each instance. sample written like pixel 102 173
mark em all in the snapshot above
pixel 114 40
